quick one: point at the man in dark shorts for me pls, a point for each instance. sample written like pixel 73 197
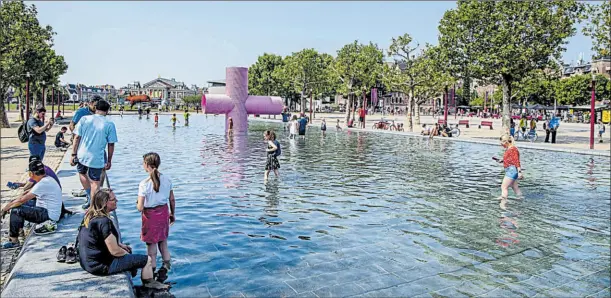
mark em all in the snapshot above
pixel 93 134
pixel 303 122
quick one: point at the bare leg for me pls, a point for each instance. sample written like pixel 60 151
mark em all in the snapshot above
pixel 95 186
pixel 151 251
pixel 147 271
pixel 516 189
pixel 505 192
pixel 266 174
pixel 163 249
pixel 276 172
pixel 84 181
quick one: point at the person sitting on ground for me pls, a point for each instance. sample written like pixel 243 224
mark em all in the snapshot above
pixel 351 123
pixel 435 131
pixel 425 131
pixel 445 131
pixel 58 115
pixel 99 249
pixel 45 212
pixel 60 142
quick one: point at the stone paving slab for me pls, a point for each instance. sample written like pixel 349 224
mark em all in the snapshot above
pixel 37 264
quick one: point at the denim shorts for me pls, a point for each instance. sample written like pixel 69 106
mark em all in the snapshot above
pixel 511 172
pixel 127 263
pixel 94 174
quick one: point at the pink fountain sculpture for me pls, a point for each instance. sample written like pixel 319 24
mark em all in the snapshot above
pixel 236 103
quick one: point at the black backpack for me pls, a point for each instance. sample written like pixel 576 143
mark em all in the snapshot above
pixel 24 134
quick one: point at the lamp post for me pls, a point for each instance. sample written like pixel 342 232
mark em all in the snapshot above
pixel 63 104
pixel 445 106
pixel 53 102
pixel 592 112
pixel 27 96
pixel 43 93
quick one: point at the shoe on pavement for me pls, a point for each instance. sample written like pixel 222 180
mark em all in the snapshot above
pixel 46 227
pixel 9 245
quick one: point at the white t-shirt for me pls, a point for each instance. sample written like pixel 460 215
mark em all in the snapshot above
pixel 293 127
pixel 152 198
pixel 48 196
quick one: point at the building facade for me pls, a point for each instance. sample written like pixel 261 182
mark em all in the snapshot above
pixel 80 92
pixel 160 90
pixel 598 66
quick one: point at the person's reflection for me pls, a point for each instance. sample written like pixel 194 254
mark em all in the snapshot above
pixel 591 184
pixel 232 171
pixel 271 207
pixel 509 229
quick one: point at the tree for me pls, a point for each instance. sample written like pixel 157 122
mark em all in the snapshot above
pixel 357 67
pixel 261 79
pixel 301 71
pixel 192 100
pixel 599 27
pixel 430 68
pixel 510 38
pixel 576 90
pixel 25 46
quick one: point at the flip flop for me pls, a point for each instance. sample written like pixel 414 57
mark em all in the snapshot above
pixel 79 193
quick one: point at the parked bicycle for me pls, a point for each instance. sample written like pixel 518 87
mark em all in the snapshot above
pixel 530 135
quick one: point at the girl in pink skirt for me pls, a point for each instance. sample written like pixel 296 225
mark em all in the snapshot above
pixel 154 193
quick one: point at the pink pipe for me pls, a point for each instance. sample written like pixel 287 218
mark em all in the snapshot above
pixel 237 104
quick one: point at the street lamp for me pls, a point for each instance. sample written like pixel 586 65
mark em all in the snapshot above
pixel 592 111
pixel 27 95
pixel 43 93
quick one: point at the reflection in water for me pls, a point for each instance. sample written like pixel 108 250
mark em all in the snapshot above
pixel 359 197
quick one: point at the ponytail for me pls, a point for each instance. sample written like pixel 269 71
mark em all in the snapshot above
pixel 153 160
pixel 155 179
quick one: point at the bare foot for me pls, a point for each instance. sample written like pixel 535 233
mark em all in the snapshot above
pixel 503 204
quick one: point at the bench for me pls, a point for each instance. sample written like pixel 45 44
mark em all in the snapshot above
pixel 464 122
pixel 486 123
pixel 441 122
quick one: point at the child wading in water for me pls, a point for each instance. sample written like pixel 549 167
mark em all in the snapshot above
pixel 293 127
pixel 173 120
pixel 513 171
pixel 154 193
pixel 273 151
pixel 230 128
pixel 156 119
pixel 323 127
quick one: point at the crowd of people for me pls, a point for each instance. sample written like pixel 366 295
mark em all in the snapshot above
pixel 100 250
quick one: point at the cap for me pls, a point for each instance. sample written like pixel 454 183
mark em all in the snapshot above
pixel 37 167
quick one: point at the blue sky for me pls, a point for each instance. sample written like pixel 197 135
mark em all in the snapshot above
pixel 121 42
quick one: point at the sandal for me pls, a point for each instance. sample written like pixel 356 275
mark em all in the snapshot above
pixel 71 255
pixel 162 274
pixel 61 254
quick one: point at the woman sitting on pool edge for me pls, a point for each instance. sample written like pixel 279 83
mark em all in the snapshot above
pixel 100 253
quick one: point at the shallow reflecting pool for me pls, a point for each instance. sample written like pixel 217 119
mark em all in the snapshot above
pixel 366 214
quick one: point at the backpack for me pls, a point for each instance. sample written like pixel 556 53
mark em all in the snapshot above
pixel 23 133
pixel 278 151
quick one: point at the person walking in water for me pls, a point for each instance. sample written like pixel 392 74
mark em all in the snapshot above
pixel 513 171
pixel 230 128
pixel 303 122
pixel 293 127
pixel 323 127
pixel 173 120
pixel 186 115
pixel 154 194
pixel 273 151
pixel 156 119
pixel 601 130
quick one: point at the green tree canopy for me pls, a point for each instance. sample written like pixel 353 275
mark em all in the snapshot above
pixel 261 78
pixel 576 90
pixel 598 28
pixel 25 46
pixel 302 71
pixel 510 38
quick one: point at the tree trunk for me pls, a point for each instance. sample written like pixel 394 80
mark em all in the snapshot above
pixel 3 117
pixel 302 103
pixel 348 107
pixel 410 99
pixel 506 101
pixel 417 108
pixel 354 105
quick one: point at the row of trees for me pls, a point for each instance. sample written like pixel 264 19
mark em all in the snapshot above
pixel 515 45
pixel 26 47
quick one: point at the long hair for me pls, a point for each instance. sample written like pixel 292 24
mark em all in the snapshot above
pixel 98 206
pixel 153 160
pixel 272 135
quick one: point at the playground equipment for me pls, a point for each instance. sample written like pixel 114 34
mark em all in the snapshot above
pixel 236 103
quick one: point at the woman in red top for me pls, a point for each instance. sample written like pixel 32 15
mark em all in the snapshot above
pixel 513 171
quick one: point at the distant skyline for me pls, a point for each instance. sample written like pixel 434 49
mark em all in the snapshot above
pixel 120 42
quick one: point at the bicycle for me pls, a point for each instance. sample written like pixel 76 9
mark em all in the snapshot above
pixel 530 135
pixel 455 131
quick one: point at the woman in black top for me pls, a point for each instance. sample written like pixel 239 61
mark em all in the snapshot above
pixel 100 252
